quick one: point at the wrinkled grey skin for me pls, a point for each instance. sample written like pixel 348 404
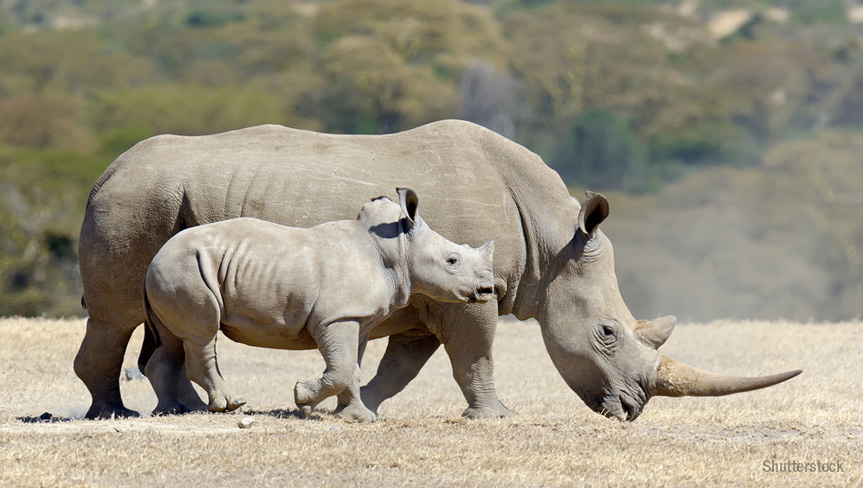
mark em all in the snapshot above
pixel 268 285
pixel 551 260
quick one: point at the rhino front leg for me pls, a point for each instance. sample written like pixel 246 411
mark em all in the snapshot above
pixel 339 344
pixel 405 355
pixel 467 333
pixel 98 364
pixel 350 396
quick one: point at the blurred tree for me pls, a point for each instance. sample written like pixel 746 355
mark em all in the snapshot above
pixel 489 98
pixel 41 205
pixel 43 121
pixel 822 11
pixel 601 152
pixel 764 84
pixel 390 65
pixel 370 89
pixel 64 62
pixel 578 61
pixel 186 109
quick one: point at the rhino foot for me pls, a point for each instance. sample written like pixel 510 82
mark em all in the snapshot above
pixel 499 411
pixel 305 394
pixel 306 410
pixel 109 412
pixel 357 413
pixel 171 409
pixel 222 403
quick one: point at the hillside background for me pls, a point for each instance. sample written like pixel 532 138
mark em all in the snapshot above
pixel 728 134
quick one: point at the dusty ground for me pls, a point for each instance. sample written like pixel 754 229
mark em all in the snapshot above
pixel 740 440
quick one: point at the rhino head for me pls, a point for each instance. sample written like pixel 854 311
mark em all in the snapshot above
pixel 605 355
pixel 430 264
pixel 442 269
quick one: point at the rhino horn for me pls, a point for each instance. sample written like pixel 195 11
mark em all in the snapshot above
pixel 655 332
pixel 676 379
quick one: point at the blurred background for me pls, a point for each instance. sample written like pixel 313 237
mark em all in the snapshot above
pixel 727 134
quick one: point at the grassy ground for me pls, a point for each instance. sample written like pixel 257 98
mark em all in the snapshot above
pixel 421 439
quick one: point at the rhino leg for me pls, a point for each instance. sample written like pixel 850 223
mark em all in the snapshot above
pixel 405 355
pixel 339 344
pixel 202 367
pixel 351 395
pixel 98 364
pixel 186 393
pixel 162 370
pixel 166 371
pixel 467 333
pixel 354 410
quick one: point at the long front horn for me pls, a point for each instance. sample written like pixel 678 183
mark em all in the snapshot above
pixel 677 379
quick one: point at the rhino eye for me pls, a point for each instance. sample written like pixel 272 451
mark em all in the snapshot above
pixel 453 261
pixel 607 333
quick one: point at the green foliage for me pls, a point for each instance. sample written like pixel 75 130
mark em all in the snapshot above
pixel 186 109
pixel 601 152
pixel 41 197
pixel 820 12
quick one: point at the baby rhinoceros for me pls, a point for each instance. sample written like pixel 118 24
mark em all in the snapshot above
pixel 268 285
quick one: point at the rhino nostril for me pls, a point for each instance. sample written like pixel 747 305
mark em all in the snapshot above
pixel 631 410
pixel 486 290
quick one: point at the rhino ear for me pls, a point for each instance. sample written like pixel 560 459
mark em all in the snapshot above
pixel 409 202
pixel 592 213
pixel 655 332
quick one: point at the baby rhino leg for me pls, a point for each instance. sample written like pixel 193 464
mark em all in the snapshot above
pixel 338 343
pixel 203 368
pixel 164 367
pixel 350 406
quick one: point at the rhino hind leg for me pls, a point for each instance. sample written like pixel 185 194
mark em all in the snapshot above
pixel 98 365
pixel 186 393
pixel 340 346
pixel 166 372
pixel 202 367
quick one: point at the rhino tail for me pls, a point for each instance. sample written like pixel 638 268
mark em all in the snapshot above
pixel 151 336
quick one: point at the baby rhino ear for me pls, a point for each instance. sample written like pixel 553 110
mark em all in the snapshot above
pixel 409 202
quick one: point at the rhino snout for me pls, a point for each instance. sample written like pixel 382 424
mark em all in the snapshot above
pixel 485 291
pixel 621 408
pixel 483 294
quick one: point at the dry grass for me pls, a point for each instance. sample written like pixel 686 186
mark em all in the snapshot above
pixel 421 439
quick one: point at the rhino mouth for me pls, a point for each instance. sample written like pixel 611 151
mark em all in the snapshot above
pixel 630 408
pixel 621 408
pixel 482 295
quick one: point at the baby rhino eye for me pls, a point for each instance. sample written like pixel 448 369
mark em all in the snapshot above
pixel 453 260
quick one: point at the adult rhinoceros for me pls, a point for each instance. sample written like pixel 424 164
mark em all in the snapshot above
pixel 551 260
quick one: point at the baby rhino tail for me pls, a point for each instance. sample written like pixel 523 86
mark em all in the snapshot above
pixel 151 336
